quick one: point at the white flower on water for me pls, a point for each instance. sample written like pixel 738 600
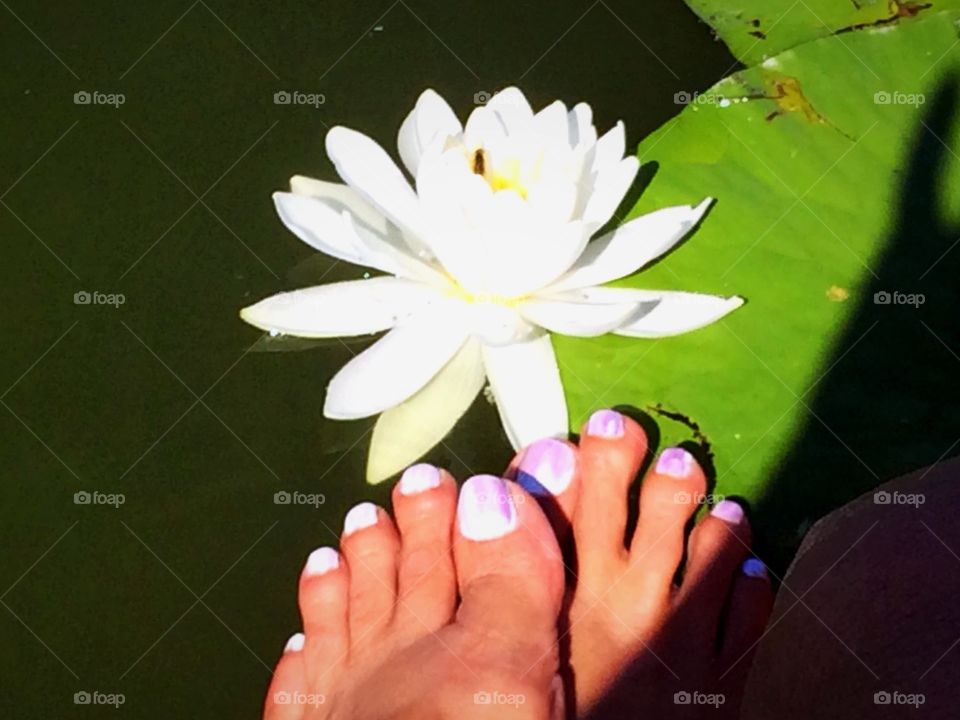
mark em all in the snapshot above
pixel 484 255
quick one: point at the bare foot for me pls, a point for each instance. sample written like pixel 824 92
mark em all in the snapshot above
pixel 384 635
pixel 637 643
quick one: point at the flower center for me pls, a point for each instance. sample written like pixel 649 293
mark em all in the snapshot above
pixel 459 292
pixel 507 175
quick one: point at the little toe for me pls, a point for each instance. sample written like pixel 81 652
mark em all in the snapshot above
pixel 424 501
pixel 612 448
pixel 547 469
pixel 370 544
pixel 669 496
pixel 289 683
pixel 751 602
pixel 717 547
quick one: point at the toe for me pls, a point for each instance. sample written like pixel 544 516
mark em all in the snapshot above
pixel 424 502
pixel 669 496
pixel 717 547
pixel 370 543
pixel 547 469
pixel 612 448
pixel 324 589
pixel 509 570
pixel 288 684
pixel 751 601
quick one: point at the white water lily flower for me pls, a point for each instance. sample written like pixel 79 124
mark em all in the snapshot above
pixel 484 256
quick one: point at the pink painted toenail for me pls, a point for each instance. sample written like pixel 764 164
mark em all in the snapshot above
pixel 485 510
pixel 605 424
pixel 322 560
pixel 675 462
pixel 546 467
pixel 752 567
pixel 419 478
pixel 295 643
pixel 728 511
pixel 360 516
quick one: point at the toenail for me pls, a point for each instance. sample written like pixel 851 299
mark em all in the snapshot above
pixel 418 478
pixel 485 510
pixel 360 516
pixel 752 567
pixel 322 560
pixel 675 462
pixel 605 424
pixel 546 467
pixel 295 643
pixel 729 511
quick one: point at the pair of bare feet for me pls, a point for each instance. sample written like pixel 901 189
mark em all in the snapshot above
pixel 530 599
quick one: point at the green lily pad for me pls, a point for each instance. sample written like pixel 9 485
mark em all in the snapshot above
pixel 757 29
pixel 834 176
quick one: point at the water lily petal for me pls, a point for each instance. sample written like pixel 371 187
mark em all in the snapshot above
pixel 431 120
pixel 525 381
pixel 341 196
pixel 609 190
pixel 577 318
pixel 367 168
pixel 662 313
pixel 513 109
pixel 610 148
pixel 404 433
pixel 394 368
pixel 355 307
pixel 631 246
pixel 582 133
pixel 550 124
pixel 320 226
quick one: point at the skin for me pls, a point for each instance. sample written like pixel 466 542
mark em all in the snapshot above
pixel 418 619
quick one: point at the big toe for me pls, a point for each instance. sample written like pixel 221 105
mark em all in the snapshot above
pixel 510 575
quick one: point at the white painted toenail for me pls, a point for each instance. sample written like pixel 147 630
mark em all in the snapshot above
pixel 546 467
pixel 322 560
pixel 295 643
pixel 752 567
pixel 360 516
pixel 676 462
pixel 728 511
pixel 419 478
pixel 485 510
